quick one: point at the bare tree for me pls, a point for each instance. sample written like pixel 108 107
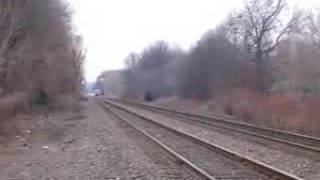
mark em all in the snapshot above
pixel 38 49
pixel 150 72
pixel 297 58
pixel 132 60
pixel 262 28
pixel 210 67
pixel 12 31
pixel 313 28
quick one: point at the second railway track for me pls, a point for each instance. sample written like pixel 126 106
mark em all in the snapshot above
pixel 216 161
pixel 300 141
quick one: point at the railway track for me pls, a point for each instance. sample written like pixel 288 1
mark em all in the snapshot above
pixel 208 160
pixel 166 165
pixel 295 140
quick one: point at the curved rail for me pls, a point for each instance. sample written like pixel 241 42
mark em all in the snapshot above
pixel 293 139
pixel 257 166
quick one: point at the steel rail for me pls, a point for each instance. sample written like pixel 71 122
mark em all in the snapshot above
pixel 293 139
pixel 180 159
pixel 254 164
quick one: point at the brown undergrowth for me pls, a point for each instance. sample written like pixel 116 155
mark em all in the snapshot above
pixel 293 112
pixel 12 105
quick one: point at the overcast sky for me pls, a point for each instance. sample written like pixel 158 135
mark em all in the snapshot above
pixel 113 28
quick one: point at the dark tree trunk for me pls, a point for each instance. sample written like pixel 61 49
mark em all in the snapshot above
pixel 262 79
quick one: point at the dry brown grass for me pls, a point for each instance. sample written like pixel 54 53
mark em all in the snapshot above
pixel 10 106
pixel 281 111
pixel 66 102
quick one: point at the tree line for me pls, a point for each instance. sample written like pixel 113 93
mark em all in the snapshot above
pixel 265 46
pixel 40 55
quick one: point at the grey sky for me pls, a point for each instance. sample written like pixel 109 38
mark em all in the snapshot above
pixel 113 28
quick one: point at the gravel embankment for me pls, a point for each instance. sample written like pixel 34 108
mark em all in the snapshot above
pixel 96 147
pixel 297 164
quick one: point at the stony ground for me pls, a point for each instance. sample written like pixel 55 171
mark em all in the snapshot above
pixel 83 146
pixel 285 158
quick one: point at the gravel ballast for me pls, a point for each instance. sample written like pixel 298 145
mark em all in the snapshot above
pixel 94 147
pixel 305 167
